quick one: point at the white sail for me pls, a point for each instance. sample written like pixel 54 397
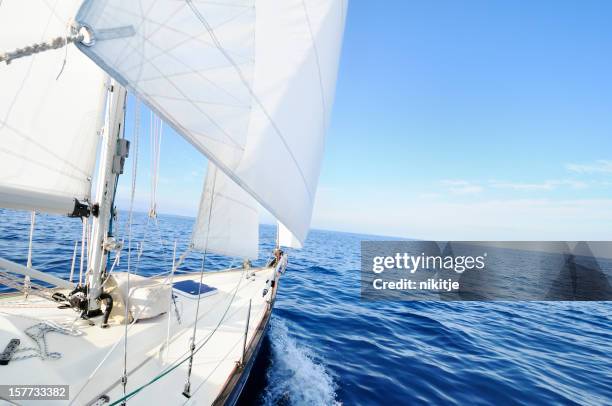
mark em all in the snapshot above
pixel 231 226
pixel 250 83
pixel 286 237
pixel 48 123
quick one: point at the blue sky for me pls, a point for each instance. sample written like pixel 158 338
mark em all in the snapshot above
pixel 455 120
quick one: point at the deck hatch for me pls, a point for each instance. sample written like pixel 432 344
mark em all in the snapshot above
pixel 191 287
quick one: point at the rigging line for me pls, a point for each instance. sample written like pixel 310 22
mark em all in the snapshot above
pixel 105 358
pixel 179 361
pixel 83 248
pixel 203 342
pixel 195 324
pixel 112 268
pixel 130 220
pixel 152 142
pixel 156 126
pixel 171 300
pixel 252 92
pixel 227 354
pixel 74 254
pixel 26 279
pixel 68 29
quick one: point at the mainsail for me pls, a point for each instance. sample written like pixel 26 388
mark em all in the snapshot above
pixel 50 111
pixel 228 218
pixel 250 83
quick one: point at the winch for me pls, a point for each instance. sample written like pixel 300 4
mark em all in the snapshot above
pixel 78 300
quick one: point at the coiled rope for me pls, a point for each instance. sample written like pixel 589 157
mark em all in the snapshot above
pixel 38 333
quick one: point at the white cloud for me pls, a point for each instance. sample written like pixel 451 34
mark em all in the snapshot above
pixel 517 219
pixel 546 185
pixel 600 166
pixel 429 195
pixel 462 187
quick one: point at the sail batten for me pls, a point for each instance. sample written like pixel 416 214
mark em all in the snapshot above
pixel 248 83
pixel 50 112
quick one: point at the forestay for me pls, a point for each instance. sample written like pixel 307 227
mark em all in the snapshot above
pixel 49 113
pixel 228 218
pixel 250 83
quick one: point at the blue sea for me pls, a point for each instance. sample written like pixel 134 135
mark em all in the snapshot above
pixel 326 346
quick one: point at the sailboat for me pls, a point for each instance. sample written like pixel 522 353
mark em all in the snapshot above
pixel 250 85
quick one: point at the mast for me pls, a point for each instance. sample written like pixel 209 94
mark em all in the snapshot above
pixel 114 152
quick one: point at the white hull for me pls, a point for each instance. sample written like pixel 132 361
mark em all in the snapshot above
pixel 215 368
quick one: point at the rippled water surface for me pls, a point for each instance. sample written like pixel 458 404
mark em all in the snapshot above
pixel 326 346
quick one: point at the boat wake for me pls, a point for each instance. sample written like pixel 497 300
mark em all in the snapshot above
pixel 295 378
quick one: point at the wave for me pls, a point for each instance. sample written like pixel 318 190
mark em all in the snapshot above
pixel 295 378
pixel 321 269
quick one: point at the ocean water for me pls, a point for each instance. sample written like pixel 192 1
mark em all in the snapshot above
pixel 326 346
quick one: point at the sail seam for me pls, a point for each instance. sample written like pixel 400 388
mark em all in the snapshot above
pixel 26 77
pixel 177 88
pixel 143 17
pixel 253 94
pixel 246 206
pixel 51 153
pixel 316 53
pixel 163 25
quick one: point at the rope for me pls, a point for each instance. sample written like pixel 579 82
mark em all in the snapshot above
pixel 112 267
pixel 130 220
pixel 135 318
pixel 55 43
pixel 106 356
pixel 16 282
pixel 68 28
pixel 180 362
pixel 74 254
pixel 26 280
pixel 193 337
pixel 171 300
pixel 38 333
pixel 156 127
pixel 83 244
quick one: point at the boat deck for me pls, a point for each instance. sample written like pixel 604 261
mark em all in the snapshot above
pixel 220 328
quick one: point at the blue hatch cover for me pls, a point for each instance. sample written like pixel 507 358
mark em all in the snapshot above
pixel 192 287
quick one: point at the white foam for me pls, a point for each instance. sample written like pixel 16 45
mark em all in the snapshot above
pixel 295 378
